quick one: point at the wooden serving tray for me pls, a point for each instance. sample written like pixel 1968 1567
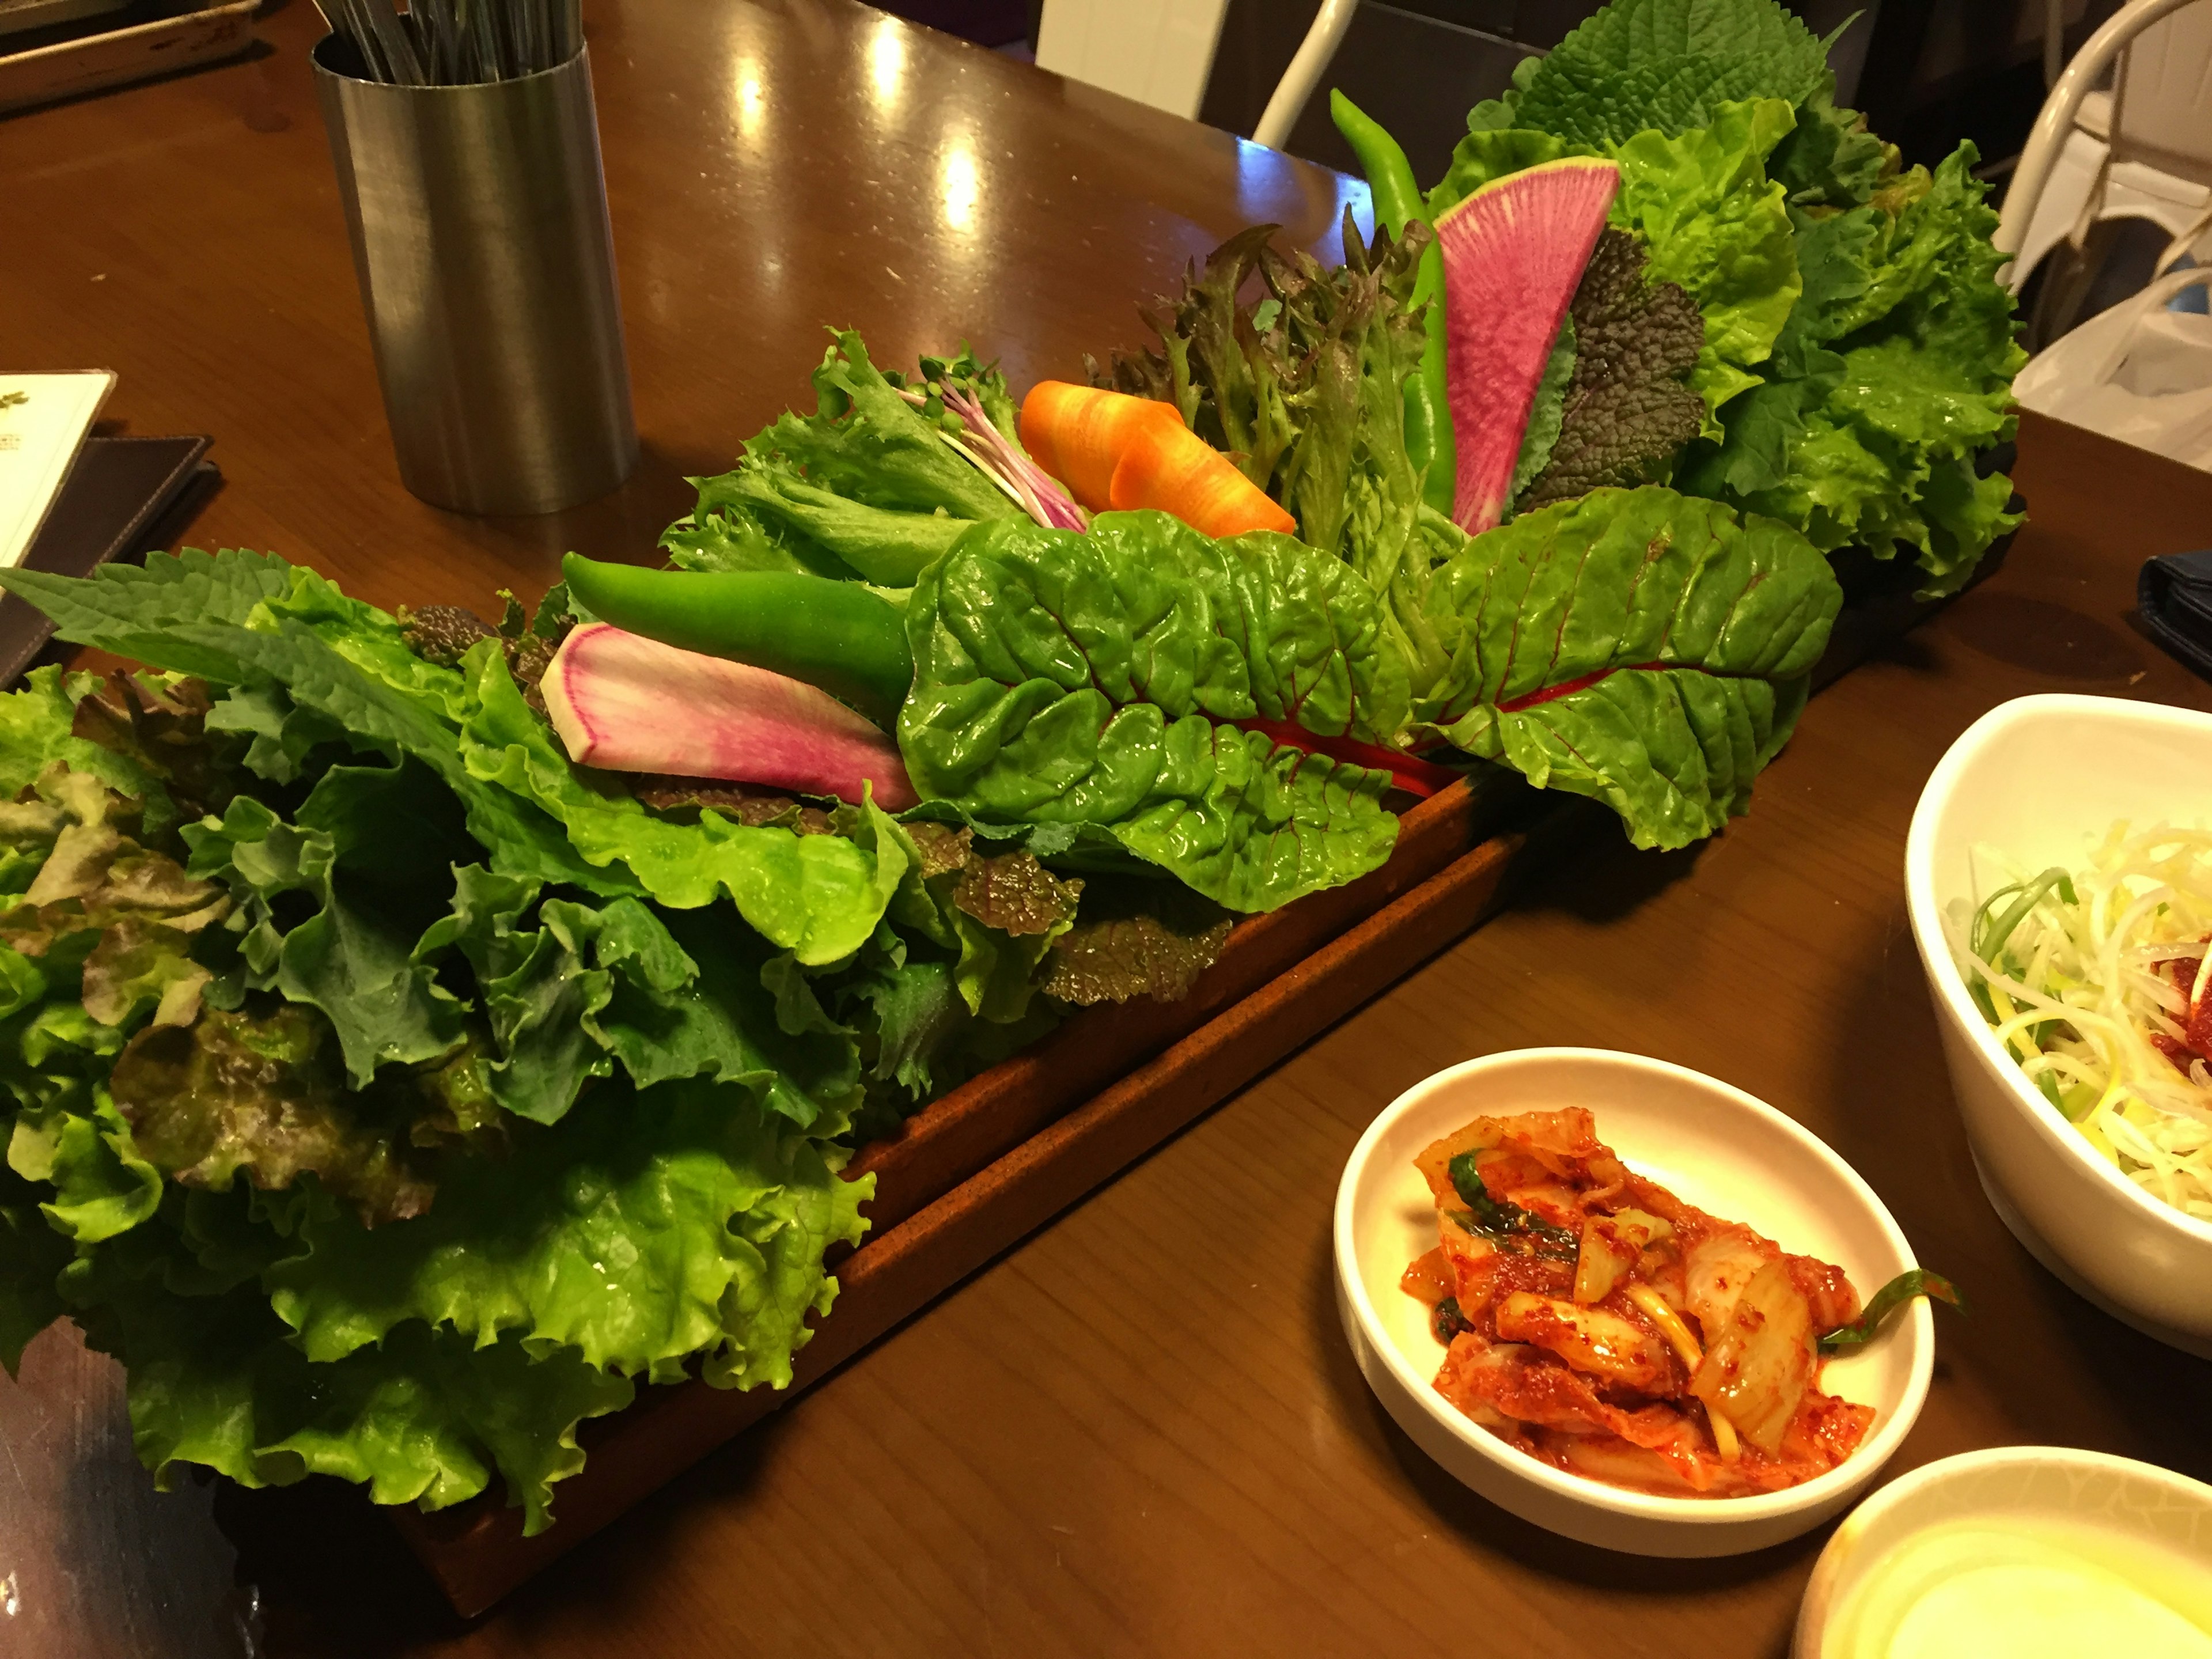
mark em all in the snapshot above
pixel 975 1172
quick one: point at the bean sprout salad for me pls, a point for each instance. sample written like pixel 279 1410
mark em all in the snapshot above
pixel 2095 980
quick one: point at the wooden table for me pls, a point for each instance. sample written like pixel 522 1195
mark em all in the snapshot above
pixel 1140 1432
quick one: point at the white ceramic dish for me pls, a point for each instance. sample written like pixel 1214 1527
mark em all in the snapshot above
pixel 2138 1501
pixel 2042 779
pixel 1716 1147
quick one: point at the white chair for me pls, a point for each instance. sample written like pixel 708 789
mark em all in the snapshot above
pixel 2141 149
pixel 1160 52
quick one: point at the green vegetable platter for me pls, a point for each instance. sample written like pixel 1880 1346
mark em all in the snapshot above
pixel 422 1034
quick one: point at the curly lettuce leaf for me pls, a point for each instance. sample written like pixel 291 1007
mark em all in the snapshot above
pixel 865 485
pixel 733 537
pixel 162 729
pixel 769 515
pixel 643 1230
pixel 1094 678
pixel 1002 910
pixel 102 918
pixel 101 1186
pixel 1718 228
pixel 39 725
pixel 257 1093
pixel 918 1010
pixel 121 608
pixel 1764 428
pixel 1830 159
pixel 523 802
pixel 1645 648
pixel 867 443
pixel 821 895
pixel 1894 371
pixel 351 954
pixel 426 1418
pixel 1136 937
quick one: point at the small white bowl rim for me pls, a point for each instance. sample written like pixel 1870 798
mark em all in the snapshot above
pixel 1833 1486
pixel 1908 1485
pixel 1820 1591
pixel 1927 917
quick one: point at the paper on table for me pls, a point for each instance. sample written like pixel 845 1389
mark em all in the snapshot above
pixel 42 421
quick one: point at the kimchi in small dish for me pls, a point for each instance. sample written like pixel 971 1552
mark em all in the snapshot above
pixel 1598 1323
pixel 1627 1301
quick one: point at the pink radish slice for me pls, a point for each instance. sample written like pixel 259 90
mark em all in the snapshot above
pixel 1514 252
pixel 630 704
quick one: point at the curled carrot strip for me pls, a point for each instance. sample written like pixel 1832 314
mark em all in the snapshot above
pixel 1172 468
pixel 1112 450
pixel 1079 434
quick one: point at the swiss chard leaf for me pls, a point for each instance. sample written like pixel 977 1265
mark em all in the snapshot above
pixel 1646 649
pixel 1065 677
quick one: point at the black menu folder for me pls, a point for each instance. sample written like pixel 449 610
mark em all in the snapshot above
pixel 122 496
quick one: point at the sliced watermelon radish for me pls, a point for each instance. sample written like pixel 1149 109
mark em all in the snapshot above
pixel 1514 252
pixel 630 704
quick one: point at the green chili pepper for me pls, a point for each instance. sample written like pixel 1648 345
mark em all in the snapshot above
pixel 1916 1281
pixel 1447 1322
pixel 1398 202
pixel 834 634
pixel 1527 1232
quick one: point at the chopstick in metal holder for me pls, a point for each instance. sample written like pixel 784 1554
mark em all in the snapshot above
pixel 457 42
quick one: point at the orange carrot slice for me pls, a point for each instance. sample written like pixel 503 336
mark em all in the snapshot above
pixel 1172 468
pixel 1080 433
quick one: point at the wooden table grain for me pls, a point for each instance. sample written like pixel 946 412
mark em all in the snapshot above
pixel 1140 1432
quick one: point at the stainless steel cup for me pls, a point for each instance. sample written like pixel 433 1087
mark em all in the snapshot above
pixel 479 222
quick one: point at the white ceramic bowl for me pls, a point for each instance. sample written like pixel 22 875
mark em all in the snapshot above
pixel 2042 779
pixel 2137 1501
pixel 1713 1147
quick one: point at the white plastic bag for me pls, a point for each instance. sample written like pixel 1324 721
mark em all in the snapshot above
pixel 2138 372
